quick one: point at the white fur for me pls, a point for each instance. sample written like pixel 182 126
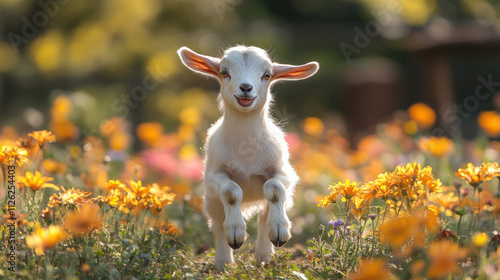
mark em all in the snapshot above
pixel 247 167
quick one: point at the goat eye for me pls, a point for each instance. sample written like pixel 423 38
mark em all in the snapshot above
pixel 224 73
pixel 266 76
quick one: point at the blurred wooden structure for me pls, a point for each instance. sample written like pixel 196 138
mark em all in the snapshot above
pixel 372 91
pixel 435 46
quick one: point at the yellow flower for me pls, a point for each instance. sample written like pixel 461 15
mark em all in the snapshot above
pixel 45 238
pixel 327 200
pixel 371 270
pixel 436 146
pixel 84 221
pixel 348 189
pixel 42 137
pixel 159 198
pixel 489 121
pixel 313 126
pixel 36 181
pixel 135 197
pixel 480 239
pixel 444 257
pixel 10 154
pixel 112 185
pixel 150 133
pixel 449 203
pixel 190 117
pixel 138 190
pixel 474 175
pixel 410 127
pixel 382 187
pixel 359 206
pixel 406 181
pixel 422 114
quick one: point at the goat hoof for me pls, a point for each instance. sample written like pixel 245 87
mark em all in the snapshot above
pixel 278 243
pixel 235 245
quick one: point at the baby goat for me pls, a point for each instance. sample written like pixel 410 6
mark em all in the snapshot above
pixel 247 165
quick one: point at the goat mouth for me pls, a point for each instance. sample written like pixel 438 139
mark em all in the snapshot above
pixel 245 102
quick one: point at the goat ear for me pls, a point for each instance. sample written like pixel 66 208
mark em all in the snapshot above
pixel 199 63
pixel 294 72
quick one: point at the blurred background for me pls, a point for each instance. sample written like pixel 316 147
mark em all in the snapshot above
pixel 110 68
pixel 388 53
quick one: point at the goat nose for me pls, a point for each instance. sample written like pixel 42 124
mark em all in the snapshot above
pixel 246 88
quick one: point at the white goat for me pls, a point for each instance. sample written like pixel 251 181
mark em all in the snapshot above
pixel 246 155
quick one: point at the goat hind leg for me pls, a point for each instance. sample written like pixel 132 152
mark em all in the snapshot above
pixel 223 253
pixel 263 248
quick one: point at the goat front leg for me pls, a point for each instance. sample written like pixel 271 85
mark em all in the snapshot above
pixel 277 220
pixel 231 196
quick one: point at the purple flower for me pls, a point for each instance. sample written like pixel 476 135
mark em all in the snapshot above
pixel 372 216
pixel 336 223
pixel 309 251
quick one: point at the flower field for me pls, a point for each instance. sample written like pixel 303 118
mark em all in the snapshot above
pixel 125 203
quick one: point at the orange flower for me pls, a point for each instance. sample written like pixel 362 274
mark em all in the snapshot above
pixel 422 114
pixel 119 141
pixel 112 126
pixel 42 137
pixel 474 175
pixel 371 270
pixel 397 231
pixel 150 133
pixel 61 108
pixel 65 131
pixel 170 229
pixel 444 257
pixel 400 231
pixel 436 146
pixel 45 238
pixel 313 126
pixel 492 169
pixel 54 166
pixel 84 221
pixel 73 197
pixel 489 121
pixel 36 181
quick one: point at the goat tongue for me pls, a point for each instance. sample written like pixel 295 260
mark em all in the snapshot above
pixel 245 101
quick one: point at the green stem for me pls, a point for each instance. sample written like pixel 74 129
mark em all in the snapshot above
pixel 458 228
pixel 471 225
pixel 373 238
